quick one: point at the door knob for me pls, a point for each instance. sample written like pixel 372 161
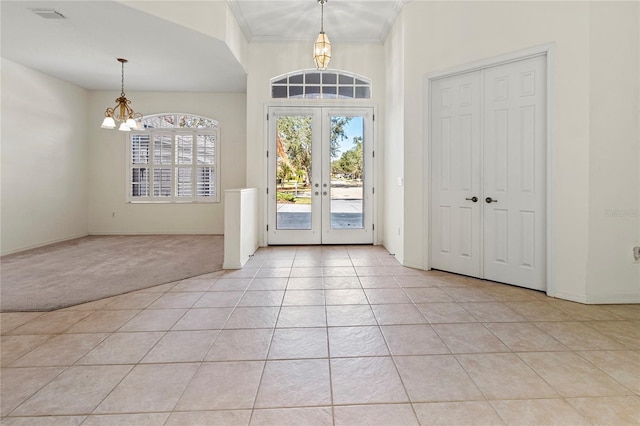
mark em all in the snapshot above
pixel 324 193
pixel 474 199
pixel 317 192
pixel 490 200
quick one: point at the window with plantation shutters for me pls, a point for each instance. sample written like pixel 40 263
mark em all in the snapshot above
pixel 174 159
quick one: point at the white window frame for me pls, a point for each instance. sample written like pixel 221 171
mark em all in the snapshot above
pixel 174 132
pixel 296 85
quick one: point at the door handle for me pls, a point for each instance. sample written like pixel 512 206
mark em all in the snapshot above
pixel 317 192
pixel 324 193
pixel 490 200
pixel 474 199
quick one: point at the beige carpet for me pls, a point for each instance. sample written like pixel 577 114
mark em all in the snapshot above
pixel 95 267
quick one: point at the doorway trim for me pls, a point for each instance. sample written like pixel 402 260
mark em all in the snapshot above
pixel 547 50
pixel 324 103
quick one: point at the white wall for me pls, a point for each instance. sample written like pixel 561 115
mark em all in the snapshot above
pixel 442 35
pixel 109 213
pixel 614 171
pixel 393 155
pixel 268 60
pixel 44 159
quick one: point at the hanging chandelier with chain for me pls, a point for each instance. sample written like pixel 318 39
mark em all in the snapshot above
pixel 322 46
pixel 122 112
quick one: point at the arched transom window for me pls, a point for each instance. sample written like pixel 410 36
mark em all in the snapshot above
pixel 314 84
pixel 175 158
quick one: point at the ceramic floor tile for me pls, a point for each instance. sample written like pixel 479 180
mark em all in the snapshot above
pixel 230 284
pixel 161 384
pixel 11 320
pixel 339 271
pixel 51 322
pixel 302 316
pixel 313 416
pixel 303 298
pixel 505 376
pixel 18 384
pixel 248 272
pixel 356 342
pixel 630 312
pixel 379 282
pixel 310 271
pixel 492 312
pixel 268 272
pixel 538 311
pixel 122 348
pixel 241 345
pixel 13 347
pixel 224 417
pixel 445 313
pixel 571 375
pixel 525 337
pixel 350 315
pixel 181 346
pixel 147 419
pixel 581 312
pixel 366 261
pixel 154 320
pixel 262 298
pixel 294 383
pixel 621 410
pixel 133 300
pixel 345 297
pixel 253 317
pixel 366 381
pixel 466 294
pixel 305 262
pixel 458 413
pixel 311 283
pixel 296 343
pixel 381 296
pixel 43 421
pixel 397 314
pixel 436 378
pixel 222 385
pixel 336 283
pixel 413 340
pixel 72 393
pixel 373 271
pixel 64 349
pixel 176 300
pixel 412 281
pixel 625 332
pixel 623 366
pixel 338 262
pixel 428 295
pixel 203 319
pixel 268 284
pixel 506 293
pixel 103 321
pixel 375 415
pixel 194 284
pixel 219 299
pixel 469 338
pixel 539 412
pixel 579 336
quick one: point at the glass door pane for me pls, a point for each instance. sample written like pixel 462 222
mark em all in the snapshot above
pixel 347 172
pixel 293 172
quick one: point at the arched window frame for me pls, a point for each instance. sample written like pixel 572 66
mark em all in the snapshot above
pixel 175 158
pixel 314 84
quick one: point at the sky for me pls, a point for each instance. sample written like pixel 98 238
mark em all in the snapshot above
pixel 353 129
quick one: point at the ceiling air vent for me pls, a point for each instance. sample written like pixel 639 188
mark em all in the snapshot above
pixel 48 14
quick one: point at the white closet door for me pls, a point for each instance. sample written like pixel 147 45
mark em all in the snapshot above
pixel 514 173
pixel 455 154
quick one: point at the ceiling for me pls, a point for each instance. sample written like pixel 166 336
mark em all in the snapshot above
pixel 82 49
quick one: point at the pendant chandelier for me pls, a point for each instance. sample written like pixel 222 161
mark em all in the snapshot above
pixel 122 112
pixel 322 46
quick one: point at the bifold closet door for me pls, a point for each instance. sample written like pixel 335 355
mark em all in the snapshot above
pixel 488 173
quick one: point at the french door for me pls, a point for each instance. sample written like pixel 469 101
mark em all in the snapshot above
pixel 320 175
pixel 488 169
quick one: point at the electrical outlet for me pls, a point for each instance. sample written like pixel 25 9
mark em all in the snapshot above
pixel 636 254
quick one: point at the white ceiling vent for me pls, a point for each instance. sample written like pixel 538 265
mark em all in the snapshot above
pixel 48 14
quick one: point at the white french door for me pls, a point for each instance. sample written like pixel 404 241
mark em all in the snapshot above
pixel 320 172
pixel 488 199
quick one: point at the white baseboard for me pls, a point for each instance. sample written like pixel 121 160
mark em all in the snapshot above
pixel 42 244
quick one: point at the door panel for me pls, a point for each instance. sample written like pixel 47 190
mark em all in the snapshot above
pixel 320 189
pixel 514 173
pixel 455 151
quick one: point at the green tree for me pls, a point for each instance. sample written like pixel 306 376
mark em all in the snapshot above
pixel 351 161
pixel 295 134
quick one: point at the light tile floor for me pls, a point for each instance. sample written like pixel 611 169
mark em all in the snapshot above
pixel 324 336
